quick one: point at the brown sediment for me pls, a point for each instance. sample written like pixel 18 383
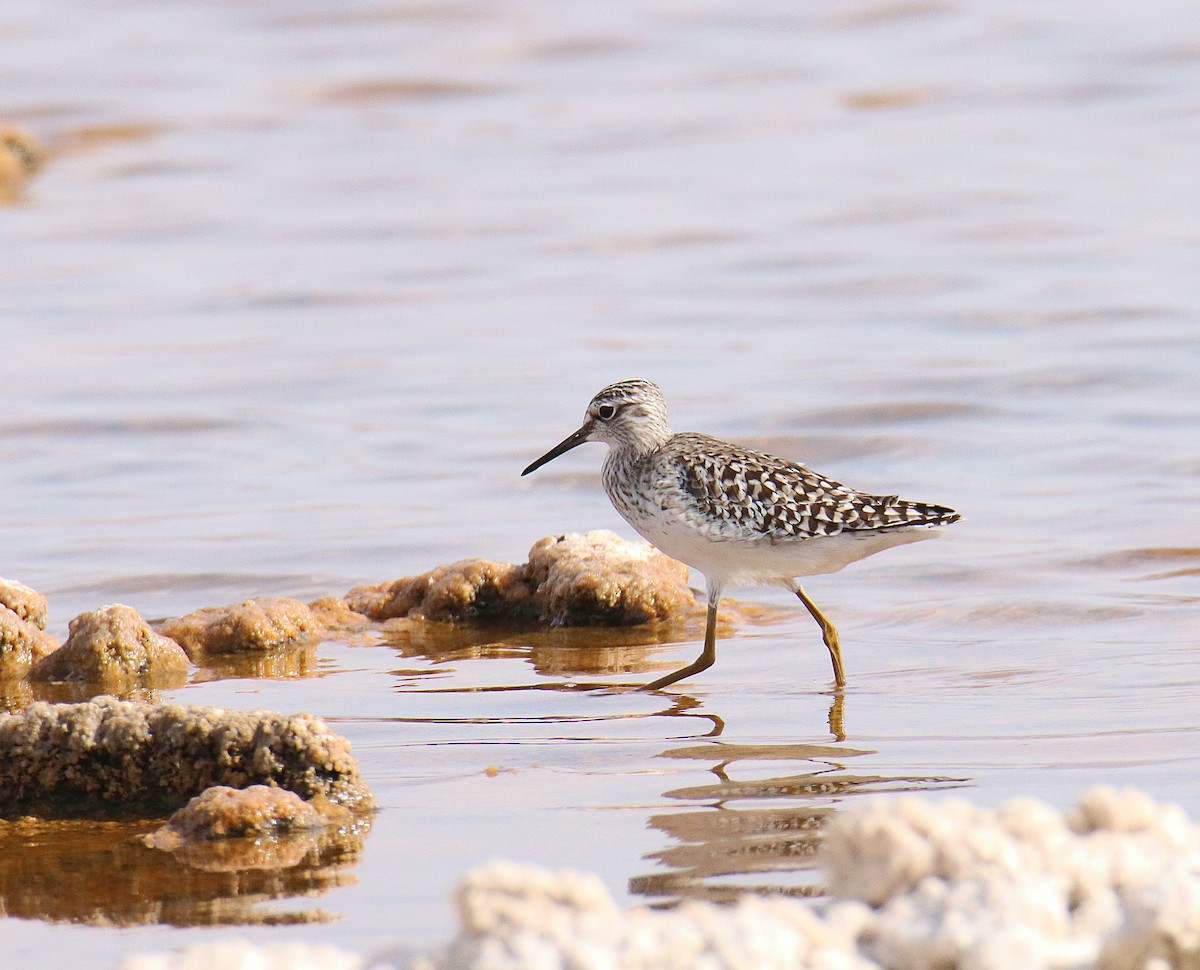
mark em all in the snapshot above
pixel 117 757
pixel 115 649
pixel 255 625
pixel 591 578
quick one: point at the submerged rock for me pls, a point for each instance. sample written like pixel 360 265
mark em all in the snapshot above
pixel 114 647
pixel 222 812
pixel 224 829
pixel 114 757
pixel 592 578
pixel 253 626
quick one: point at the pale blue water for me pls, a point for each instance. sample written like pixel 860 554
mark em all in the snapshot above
pixel 306 286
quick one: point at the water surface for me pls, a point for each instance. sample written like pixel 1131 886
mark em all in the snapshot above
pixel 302 289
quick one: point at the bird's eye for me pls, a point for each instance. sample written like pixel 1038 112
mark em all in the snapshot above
pixel 605 412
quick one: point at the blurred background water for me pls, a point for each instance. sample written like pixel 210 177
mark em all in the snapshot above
pixel 302 287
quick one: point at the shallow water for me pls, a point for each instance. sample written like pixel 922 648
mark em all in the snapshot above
pixel 301 290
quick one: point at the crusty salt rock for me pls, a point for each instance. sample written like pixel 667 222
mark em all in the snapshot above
pixel 115 647
pixel 518 916
pixel 109 756
pixel 387 601
pixel 221 812
pixel 335 614
pixel 22 644
pixel 25 601
pixel 1115 884
pixel 242 955
pixel 470 589
pixel 599 578
pixel 255 625
pixel 1125 810
pixel 572 580
pixel 475 589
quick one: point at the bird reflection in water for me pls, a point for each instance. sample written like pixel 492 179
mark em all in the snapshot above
pixel 765 829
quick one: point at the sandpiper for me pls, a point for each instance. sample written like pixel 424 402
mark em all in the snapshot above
pixel 740 517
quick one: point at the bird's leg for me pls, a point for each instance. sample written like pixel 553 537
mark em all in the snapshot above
pixel 828 633
pixel 707 657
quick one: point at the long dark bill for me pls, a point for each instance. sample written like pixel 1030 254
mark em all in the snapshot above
pixel 574 441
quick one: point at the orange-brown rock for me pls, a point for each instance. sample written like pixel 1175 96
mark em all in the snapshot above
pixel 26 602
pixel 221 812
pixel 572 580
pixel 108 756
pixel 255 625
pixel 22 644
pixel 114 647
pixel 470 589
pixel 599 578
pixel 335 614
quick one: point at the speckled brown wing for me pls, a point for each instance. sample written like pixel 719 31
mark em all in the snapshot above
pixel 728 492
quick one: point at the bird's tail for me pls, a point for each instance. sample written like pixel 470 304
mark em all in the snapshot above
pixel 893 512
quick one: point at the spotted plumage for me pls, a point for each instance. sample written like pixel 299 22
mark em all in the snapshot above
pixel 737 515
pixel 732 493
